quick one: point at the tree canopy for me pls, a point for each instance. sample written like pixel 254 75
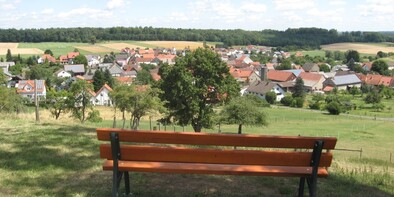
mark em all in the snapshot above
pixel 193 85
pixel 380 66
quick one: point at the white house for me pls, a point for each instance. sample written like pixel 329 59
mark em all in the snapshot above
pixel 62 74
pixel 261 88
pixel 101 97
pixel 26 88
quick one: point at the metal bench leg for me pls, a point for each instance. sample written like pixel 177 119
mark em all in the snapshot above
pixel 301 187
pixel 127 182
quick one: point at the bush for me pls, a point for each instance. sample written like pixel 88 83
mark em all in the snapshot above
pixel 298 102
pixel 315 105
pixel 334 108
pixel 94 116
pixel 287 100
pixel 270 97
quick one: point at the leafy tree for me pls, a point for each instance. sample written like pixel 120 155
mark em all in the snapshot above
pixel 16 69
pixel 298 102
pixel 373 97
pixel 93 40
pixel 98 80
pixel 3 78
pixel 387 92
pixel 352 54
pixel 193 85
pixel 144 77
pixel 81 59
pixel 270 97
pixel 79 99
pixel 120 96
pixel 1 59
pixel 381 54
pixel 57 102
pixel 299 90
pixel 8 57
pixel 48 51
pixel 287 100
pixel 351 64
pixel 354 90
pixel 380 67
pixel 324 68
pixel 10 101
pixel 333 108
pixel 109 80
pixel 243 111
pixel 285 65
pixel 378 106
pixel 316 102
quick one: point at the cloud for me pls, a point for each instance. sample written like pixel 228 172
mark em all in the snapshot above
pixel 287 5
pixel 115 4
pixel 254 7
pixel 47 11
pixel 178 16
pixel 87 12
pixel 337 2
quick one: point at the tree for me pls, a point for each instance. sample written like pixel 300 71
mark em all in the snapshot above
pixel 120 98
pixel 285 65
pixel 287 100
pixel 81 59
pixel 144 77
pixel 324 68
pixel 98 80
pixel 381 54
pixel 10 101
pixel 193 85
pixel 8 57
pixel 109 80
pixel 48 51
pixel 354 90
pixel 352 54
pixel 79 99
pixel 270 97
pixel 3 78
pixel 333 108
pixel 373 97
pixel 299 90
pixel 57 102
pixel 243 111
pixel 93 40
pixel 380 66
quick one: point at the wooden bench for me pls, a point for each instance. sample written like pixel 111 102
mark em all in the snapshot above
pixel 204 153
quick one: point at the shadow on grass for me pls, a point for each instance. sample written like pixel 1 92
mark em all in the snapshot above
pixel 53 160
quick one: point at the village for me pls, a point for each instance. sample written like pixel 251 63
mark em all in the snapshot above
pixel 253 77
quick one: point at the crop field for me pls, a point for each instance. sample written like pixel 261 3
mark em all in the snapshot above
pixel 95 49
pixel 117 46
pixel 365 48
pixel 177 44
pixel 16 49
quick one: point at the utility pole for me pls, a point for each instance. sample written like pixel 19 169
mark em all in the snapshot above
pixel 36 100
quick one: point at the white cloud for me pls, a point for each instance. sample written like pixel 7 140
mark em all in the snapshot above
pixel 287 5
pixel 47 11
pixel 178 16
pixel 254 7
pixel 8 6
pixel 336 2
pixel 87 12
pixel 115 4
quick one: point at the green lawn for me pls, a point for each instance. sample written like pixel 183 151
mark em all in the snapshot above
pixel 61 158
pixel 57 48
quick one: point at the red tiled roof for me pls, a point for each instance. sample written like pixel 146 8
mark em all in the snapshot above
pixel 124 80
pixel 49 58
pixel 373 79
pixel 362 77
pixel 63 58
pixel 385 80
pixel 106 87
pixel 149 56
pixel 240 73
pixel 280 76
pixel 368 65
pixel 140 59
pixel 72 55
pixel 310 76
pixel 328 89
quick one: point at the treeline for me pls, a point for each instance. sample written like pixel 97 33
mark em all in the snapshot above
pixel 298 38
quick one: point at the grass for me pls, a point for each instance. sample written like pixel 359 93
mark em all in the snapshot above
pixel 61 158
pixel 57 48
pixel 312 53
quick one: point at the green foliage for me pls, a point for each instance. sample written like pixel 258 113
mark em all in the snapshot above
pixel 81 59
pixel 299 90
pixel 94 116
pixel 324 68
pixel 270 97
pixel 10 101
pixel 16 69
pixel 352 54
pixel 98 80
pixel 8 56
pixel 109 80
pixel 3 78
pixel 285 65
pixel 48 51
pixel 298 102
pixel 193 85
pixel 316 102
pixel 287 100
pixel 354 91
pixel 144 77
pixel 373 97
pixel 333 108
pixel 243 111
pixel 378 106
pixel 381 54
pixel 79 99
pixel 57 102
pixel 380 66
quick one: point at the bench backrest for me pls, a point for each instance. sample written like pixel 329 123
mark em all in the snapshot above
pixel 196 154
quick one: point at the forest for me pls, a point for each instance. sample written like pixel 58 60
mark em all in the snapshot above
pixel 298 38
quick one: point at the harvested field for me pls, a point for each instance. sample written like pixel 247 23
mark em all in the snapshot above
pixel 365 48
pixel 15 50
pixel 118 46
pixel 177 44
pixel 94 49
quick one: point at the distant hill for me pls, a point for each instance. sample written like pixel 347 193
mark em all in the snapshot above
pixel 292 39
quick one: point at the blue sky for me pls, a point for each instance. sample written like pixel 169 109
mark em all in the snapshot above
pixel 351 15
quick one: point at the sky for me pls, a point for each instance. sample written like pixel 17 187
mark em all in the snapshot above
pixel 350 15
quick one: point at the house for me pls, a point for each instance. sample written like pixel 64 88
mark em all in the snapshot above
pixel 63 59
pixel 101 97
pixel 124 80
pixel 241 75
pixel 310 67
pixel 342 82
pixel 62 73
pixel 312 81
pixel 375 80
pixel 296 72
pixel 367 66
pixel 6 66
pixel 155 74
pixel 122 59
pixel 26 88
pixel 115 70
pixel 280 76
pixel 46 57
pixel 93 60
pixel 245 59
pixel 170 59
pixel 261 88
pixel 75 69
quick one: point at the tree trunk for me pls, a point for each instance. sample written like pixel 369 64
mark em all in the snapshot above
pixel 197 127
pixel 240 129
pixel 124 119
pixel 114 122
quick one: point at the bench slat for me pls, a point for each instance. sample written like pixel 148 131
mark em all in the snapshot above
pixel 214 156
pixel 215 139
pixel 223 169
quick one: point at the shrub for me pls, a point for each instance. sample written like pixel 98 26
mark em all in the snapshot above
pixel 334 108
pixel 298 102
pixel 287 100
pixel 270 97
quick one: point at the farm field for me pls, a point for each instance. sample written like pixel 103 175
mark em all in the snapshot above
pixel 364 48
pixel 177 44
pixel 61 158
pixel 15 48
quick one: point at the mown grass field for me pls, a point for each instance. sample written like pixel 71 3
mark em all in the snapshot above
pixel 60 158
pixel 364 48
